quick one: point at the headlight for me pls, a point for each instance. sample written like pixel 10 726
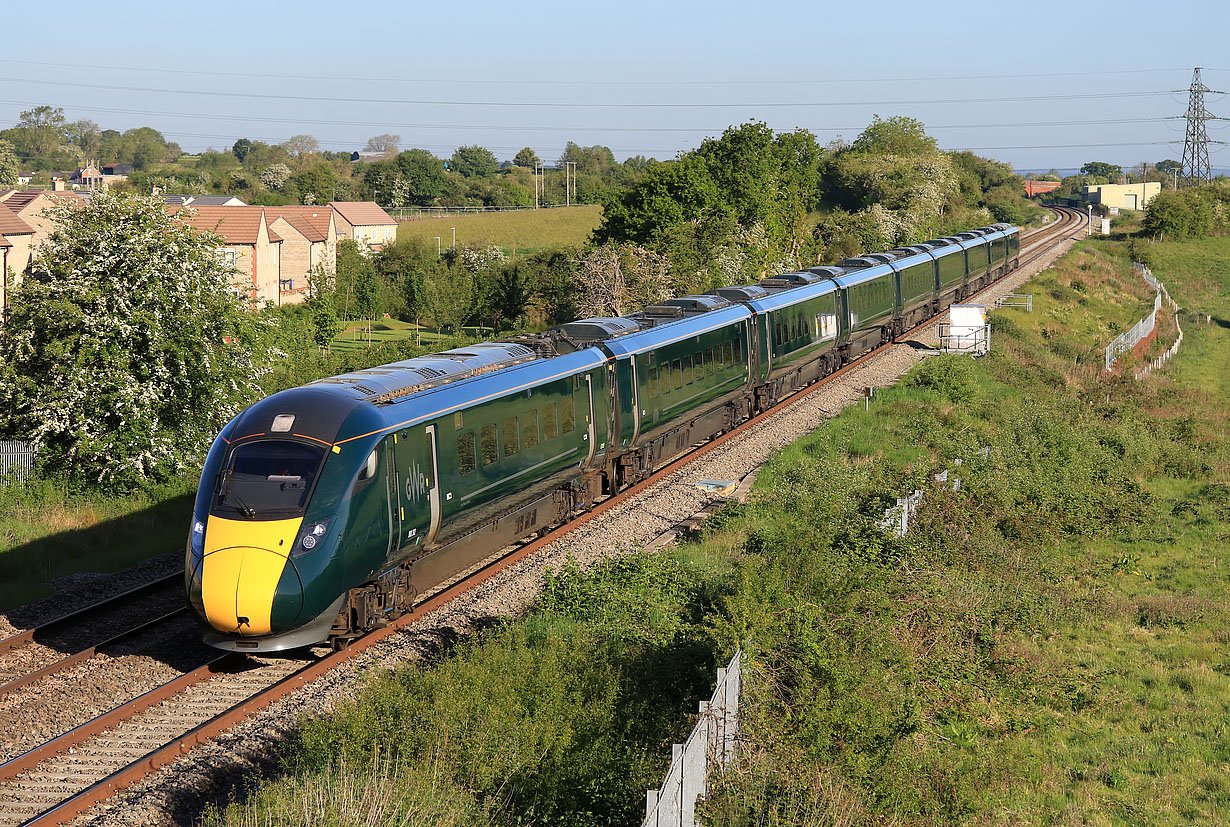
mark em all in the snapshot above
pixel 196 540
pixel 309 538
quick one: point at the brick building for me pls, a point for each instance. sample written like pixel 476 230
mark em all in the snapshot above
pixel 365 222
pixel 248 244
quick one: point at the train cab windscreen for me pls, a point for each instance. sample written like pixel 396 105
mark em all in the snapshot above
pixel 268 479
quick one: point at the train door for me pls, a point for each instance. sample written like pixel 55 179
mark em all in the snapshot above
pixel 590 433
pixel 393 485
pixel 418 487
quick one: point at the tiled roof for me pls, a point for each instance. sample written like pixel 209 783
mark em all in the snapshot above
pixel 238 225
pixel 362 213
pixel 18 200
pixel 10 224
pixel 317 218
pixel 300 224
pixel 4 242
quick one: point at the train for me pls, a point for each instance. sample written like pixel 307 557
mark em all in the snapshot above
pixel 324 511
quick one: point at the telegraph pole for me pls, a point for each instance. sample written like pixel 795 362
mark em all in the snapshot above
pixel 1196 167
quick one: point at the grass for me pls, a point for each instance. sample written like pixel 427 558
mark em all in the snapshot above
pixel 1046 644
pixel 358 336
pixel 517 233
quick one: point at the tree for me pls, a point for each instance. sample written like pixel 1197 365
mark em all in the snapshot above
pixel 615 279
pixel 128 343
pixel 383 143
pixel 1168 167
pixel 474 161
pixel 897 135
pixel 241 149
pixel 9 168
pixel 526 158
pixel 300 145
pixel 274 177
pixel 84 134
pixel 1101 169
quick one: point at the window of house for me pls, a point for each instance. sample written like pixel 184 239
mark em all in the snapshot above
pixel 511 441
pixel 529 429
pixel 489 445
pixel 548 421
pixel 569 416
pixel 466 461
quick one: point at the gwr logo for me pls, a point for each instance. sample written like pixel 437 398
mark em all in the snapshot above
pixel 416 483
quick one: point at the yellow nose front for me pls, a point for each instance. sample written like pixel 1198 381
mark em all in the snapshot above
pixel 240 573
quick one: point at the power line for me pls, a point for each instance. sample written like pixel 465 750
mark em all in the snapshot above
pixel 1196 143
pixel 528 82
pixel 587 104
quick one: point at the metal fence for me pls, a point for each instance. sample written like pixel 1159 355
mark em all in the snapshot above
pixel 405 213
pixel 1142 329
pixel 1025 300
pixel 711 744
pixel 16 461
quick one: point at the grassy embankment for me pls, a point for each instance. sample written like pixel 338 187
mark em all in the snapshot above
pixel 517 233
pixel 358 336
pixel 1047 643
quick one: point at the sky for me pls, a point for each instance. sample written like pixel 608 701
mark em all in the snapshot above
pixel 1039 86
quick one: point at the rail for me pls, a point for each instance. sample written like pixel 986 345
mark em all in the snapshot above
pixel 1025 300
pixel 711 744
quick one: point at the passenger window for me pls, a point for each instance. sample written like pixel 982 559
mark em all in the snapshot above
pixel 569 422
pixel 465 452
pixel 709 362
pixel 730 354
pixel 677 370
pixel 491 449
pixel 653 383
pixel 529 429
pixel 738 353
pixel 688 372
pixel 666 379
pixel 548 421
pixel 458 421
pixel 511 445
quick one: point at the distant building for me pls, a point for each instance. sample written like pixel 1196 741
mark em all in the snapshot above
pixel 367 157
pixel 16 252
pixel 1033 187
pixel 1123 196
pixel 118 169
pixel 88 176
pixel 248 244
pixel 365 222
pixel 309 239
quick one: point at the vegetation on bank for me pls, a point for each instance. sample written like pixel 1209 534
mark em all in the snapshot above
pixel 516 233
pixel 1047 641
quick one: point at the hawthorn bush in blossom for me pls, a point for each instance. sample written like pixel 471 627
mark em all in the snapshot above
pixel 127 347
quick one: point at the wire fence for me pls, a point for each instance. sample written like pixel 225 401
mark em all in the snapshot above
pixel 408 213
pixel 16 461
pixel 1143 329
pixel 711 744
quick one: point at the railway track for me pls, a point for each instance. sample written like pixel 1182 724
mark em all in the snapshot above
pixel 65 776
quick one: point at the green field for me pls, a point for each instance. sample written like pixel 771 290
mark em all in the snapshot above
pixel 515 232
pixel 358 336
pixel 1047 644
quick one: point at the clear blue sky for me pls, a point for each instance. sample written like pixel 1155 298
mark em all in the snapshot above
pixel 644 78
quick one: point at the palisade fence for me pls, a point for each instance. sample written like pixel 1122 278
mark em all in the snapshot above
pixel 16 461
pixel 711 744
pixel 1144 328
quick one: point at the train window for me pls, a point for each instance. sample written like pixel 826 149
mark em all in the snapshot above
pixel 738 353
pixel 548 421
pixel 730 354
pixel 466 461
pixel 569 421
pixel 490 448
pixel 652 382
pixel 369 467
pixel 458 420
pixel 688 371
pixel 709 362
pixel 677 370
pixel 529 429
pixel 666 378
pixel 511 445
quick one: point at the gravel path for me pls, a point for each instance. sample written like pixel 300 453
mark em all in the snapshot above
pixel 224 768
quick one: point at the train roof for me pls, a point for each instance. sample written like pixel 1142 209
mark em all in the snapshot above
pixel 740 293
pixel 785 298
pixel 675 330
pixel 912 257
pixel 388 383
pixel 856 277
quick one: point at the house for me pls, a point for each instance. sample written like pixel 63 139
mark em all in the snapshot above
pixel 1124 196
pixel 88 176
pixel 248 245
pixel 118 169
pixel 309 239
pixel 365 222
pixel 16 253
pixel 28 205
